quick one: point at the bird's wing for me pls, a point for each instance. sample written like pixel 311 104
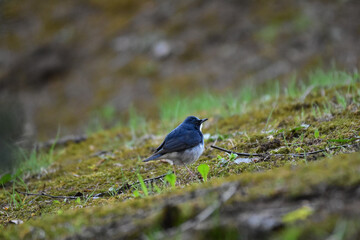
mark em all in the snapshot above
pixel 178 141
pixel 160 147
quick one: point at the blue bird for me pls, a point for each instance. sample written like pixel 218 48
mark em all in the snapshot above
pixel 183 145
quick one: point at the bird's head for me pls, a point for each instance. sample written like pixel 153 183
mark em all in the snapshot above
pixel 196 122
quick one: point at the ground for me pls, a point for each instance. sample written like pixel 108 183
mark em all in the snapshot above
pixel 275 195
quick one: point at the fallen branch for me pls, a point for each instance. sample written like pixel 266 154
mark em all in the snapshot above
pixel 279 155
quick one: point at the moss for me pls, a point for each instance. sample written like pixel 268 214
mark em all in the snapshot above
pixel 77 168
pixel 332 226
pixel 302 180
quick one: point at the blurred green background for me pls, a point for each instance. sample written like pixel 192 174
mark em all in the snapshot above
pixel 88 65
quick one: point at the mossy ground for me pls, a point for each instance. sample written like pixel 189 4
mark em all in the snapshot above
pixel 326 117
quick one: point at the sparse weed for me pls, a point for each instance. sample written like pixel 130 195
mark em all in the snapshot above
pixel 268 119
pixel 222 162
pixel 204 171
pixel 157 188
pixel 171 179
pixel 136 122
pixel 112 191
pixel 296 140
pixel 341 100
pixel 175 108
pixel 88 197
pixel 5 178
pixel 232 156
pixel 305 158
pixel 145 191
pixel 316 112
pixel 143 185
pixel 286 143
pixel 36 161
pixel 15 200
pixel 327 108
pixel 292 89
pixel 78 200
pixel 102 118
pixel 316 133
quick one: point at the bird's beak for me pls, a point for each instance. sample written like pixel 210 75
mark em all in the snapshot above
pixel 203 120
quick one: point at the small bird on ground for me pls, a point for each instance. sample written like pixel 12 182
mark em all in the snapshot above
pixel 183 145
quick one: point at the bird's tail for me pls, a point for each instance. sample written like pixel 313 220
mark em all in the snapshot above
pixel 153 157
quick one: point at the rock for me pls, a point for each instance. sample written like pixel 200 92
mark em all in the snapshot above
pixel 242 160
pixel 16 221
pixel 161 49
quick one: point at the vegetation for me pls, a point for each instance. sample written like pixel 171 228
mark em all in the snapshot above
pixel 320 113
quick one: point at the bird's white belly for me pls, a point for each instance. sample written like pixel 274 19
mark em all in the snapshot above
pixel 185 157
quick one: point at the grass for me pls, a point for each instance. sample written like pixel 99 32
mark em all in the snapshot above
pixel 144 190
pixel 171 179
pixel 256 186
pixel 15 201
pixel 175 108
pixel 29 163
pixel 326 116
pixel 143 186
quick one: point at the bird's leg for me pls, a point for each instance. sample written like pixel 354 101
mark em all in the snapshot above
pixel 190 171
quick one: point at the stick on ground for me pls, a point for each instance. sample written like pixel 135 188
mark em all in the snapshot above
pixel 301 155
pixel 125 187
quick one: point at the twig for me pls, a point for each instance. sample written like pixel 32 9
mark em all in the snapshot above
pixel 46 195
pixel 237 153
pixel 279 155
pixel 155 178
pixel 126 186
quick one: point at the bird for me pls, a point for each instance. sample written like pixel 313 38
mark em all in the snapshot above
pixel 183 145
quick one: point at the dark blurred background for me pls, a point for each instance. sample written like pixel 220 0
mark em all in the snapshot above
pixel 65 62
